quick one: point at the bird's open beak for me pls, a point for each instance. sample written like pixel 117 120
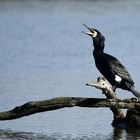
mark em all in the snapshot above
pixel 90 32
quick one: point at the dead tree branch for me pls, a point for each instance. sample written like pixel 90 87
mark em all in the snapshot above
pixel 106 88
pixel 132 117
pixel 61 102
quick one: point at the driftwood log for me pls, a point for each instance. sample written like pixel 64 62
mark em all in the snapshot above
pixel 131 119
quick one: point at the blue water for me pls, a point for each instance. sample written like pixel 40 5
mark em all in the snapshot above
pixel 43 55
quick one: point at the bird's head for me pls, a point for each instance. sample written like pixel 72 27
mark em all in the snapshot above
pixel 98 38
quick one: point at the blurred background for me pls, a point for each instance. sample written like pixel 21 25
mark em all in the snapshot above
pixel 43 55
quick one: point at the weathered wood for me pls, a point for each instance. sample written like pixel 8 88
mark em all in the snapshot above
pixel 132 117
pixel 107 90
pixel 61 102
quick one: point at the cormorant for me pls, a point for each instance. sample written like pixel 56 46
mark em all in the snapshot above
pixel 109 66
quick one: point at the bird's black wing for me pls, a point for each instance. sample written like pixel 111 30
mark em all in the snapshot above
pixel 118 69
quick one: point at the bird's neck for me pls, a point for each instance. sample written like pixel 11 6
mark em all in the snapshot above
pixel 98 50
pixel 99 45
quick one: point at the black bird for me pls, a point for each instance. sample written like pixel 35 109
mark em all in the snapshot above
pixel 109 66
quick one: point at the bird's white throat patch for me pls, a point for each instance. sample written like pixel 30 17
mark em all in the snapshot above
pixel 95 34
pixel 118 78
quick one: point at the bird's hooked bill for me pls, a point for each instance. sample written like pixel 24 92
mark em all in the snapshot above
pixel 91 31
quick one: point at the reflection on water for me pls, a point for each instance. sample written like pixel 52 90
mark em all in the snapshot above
pixel 129 133
pixel 118 134
pixel 44 55
pixel 28 136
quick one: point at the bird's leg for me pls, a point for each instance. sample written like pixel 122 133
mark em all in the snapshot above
pixel 114 88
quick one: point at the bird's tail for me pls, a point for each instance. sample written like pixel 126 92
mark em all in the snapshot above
pixel 135 92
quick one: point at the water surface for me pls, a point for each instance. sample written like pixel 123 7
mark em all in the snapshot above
pixel 44 55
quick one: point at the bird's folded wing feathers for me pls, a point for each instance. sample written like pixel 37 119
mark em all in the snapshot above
pixel 120 70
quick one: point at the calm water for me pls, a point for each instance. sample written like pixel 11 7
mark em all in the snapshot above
pixel 43 54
